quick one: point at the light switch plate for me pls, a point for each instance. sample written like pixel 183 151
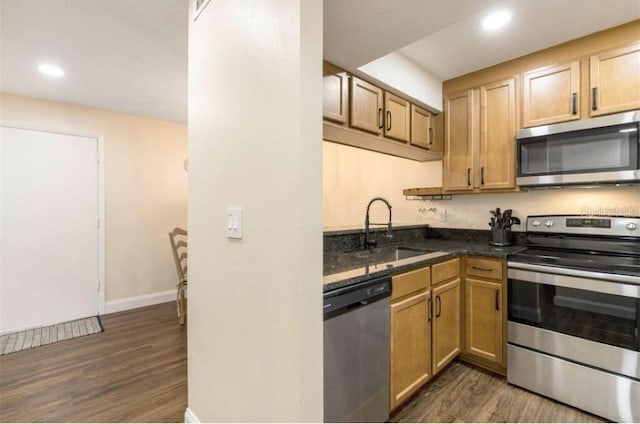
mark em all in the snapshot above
pixel 234 223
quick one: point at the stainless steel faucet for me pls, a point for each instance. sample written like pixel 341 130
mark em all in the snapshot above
pixel 370 243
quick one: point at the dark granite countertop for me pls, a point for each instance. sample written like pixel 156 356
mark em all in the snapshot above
pixel 345 268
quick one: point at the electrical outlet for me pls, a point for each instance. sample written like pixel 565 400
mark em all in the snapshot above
pixel 443 215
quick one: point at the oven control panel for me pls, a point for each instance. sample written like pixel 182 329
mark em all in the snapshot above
pixel 588 222
pixel 587 225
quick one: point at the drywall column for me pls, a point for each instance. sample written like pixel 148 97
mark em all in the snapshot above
pixel 254 311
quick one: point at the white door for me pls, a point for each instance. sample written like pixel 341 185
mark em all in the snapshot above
pixel 48 228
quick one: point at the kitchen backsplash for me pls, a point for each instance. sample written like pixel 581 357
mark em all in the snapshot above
pixel 351 177
pixel 472 211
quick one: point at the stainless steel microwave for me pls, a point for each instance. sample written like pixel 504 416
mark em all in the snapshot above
pixel 601 150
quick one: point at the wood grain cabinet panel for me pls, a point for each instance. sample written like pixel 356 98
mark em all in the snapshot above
pixel 335 93
pixel 551 95
pixel 615 81
pixel 397 118
pixel 446 324
pixel 480 138
pixel 483 311
pixel 410 282
pixel 410 346
pixel 459 138
pixel 366 106
pixel 484 267
pixel 497 152
pixel 444 271
pixel 421 131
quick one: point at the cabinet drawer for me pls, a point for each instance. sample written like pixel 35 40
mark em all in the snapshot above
pixel 410 282
pixel 445 271
pixel 484 267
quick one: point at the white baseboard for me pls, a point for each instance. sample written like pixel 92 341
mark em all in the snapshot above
pixel 133 302
pixel 190 417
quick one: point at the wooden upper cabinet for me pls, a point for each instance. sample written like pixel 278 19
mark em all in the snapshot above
pixel 615 81
pixel 397 119
pixel 496 159
pixel 335 84
pixel 551 95
pixel 458 139
pixel 424 129
pixel 437 126
pixel 366 111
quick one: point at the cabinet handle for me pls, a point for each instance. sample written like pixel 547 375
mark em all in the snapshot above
pixel 497 300
pixel 482 176
pixel 430 136
pixel 481 269
pixel 594 98
pixel 438 306
pixel 388 121
pixel 429 310
pixel 574 103
pixel 468 176
pixel 380 118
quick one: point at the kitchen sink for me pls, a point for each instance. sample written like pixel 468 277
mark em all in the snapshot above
pixel 390 253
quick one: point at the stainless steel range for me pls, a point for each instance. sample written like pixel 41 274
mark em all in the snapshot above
pixel 574 313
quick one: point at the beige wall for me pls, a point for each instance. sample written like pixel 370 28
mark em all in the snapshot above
pixel 145 186
pixel 255 102
pixel 353 176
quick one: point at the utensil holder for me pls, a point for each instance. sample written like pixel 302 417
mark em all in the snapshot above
pixel 500 237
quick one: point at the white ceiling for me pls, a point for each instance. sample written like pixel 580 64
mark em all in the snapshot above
pixel 124 55
pixel 131 55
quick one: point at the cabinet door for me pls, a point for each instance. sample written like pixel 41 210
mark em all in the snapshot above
pixel 615 81
pixel 421 129
pixel 366 106
pixel 335 93
pixel 437 129
pixel 496 160
pixel 484 316
pixel 410 346
pixel 459 139
pixel 446 324
pixel 397 117
pixel 551 95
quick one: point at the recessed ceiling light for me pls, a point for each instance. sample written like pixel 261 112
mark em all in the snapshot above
pixel 51 70
pixel 496 20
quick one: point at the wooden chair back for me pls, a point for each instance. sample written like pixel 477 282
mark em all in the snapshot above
pixel 178 239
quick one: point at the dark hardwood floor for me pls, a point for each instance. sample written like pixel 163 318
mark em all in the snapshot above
pixel 466 394
pixel 135 371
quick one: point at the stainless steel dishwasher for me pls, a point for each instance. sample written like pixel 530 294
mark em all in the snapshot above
pixel 356 352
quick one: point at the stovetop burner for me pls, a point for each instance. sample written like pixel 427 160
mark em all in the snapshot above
pixel 601 244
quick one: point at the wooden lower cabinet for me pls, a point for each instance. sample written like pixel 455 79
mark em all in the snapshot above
pixel 485 319
pixel 410 346
pixel 483 309
pixel 410 350
pixel 446 324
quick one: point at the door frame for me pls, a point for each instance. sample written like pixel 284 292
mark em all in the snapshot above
pixel 101 293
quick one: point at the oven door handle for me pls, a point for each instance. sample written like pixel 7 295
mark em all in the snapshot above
pixel 575 282
pixel 617 278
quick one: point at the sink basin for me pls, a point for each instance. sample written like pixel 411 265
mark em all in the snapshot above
pixel 390 253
